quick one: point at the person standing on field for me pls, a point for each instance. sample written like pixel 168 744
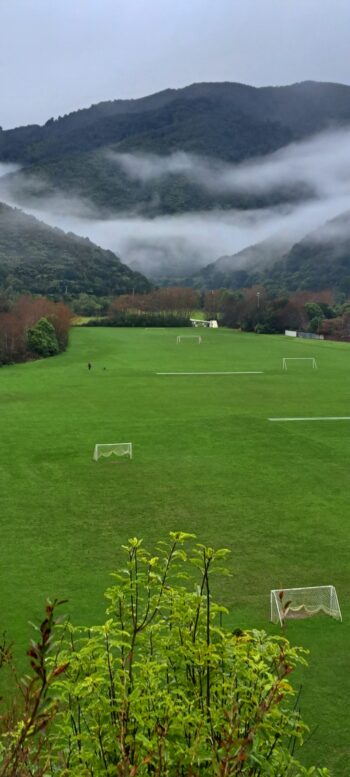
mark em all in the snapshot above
pixel 89 366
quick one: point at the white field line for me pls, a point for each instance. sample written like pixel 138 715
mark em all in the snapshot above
pixel 209 373
pixel 315 418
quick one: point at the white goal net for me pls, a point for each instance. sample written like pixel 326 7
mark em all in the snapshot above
pixel 116 448
pixel 189 337
pixel 299 359
pixel 295 603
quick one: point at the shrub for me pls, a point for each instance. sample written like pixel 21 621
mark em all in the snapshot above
pixel 41 338
pixel 162 688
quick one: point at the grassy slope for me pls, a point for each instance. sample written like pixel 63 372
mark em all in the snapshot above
pixel 205 459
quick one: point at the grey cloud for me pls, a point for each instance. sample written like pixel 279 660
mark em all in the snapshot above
pixel 70 54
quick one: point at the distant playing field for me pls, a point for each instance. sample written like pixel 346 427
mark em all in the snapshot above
pixel 207 459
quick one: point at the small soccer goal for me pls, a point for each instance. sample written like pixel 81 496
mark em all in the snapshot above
pixel 113 448
pixel 197 338
pixel 299 359
pixel 297 603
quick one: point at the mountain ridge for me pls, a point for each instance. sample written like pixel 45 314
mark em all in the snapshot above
pixel 303 107
pixel 146 102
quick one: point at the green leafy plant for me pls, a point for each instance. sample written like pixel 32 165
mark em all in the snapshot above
pixel 162 688
pixel 41 338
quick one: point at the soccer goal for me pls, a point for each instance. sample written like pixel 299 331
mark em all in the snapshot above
pixel 114 448
pixel 299 359
pixel 297 603
pixel 189 337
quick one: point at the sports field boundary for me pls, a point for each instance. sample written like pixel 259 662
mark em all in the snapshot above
pixel 256 372
pixel 314 418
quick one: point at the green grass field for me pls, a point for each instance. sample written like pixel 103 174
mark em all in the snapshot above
pixel 207 460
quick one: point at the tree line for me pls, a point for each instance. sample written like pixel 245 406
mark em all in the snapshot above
pixel 178 300
pixel 171 306
pixel 253 309
pixel 32 327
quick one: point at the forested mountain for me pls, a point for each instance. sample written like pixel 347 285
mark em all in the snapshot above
pixel 243 268
pixel 204 125
pixel 39 259
pixel 79 160
pixel 225 121
pixel 212 125
pixel 321 260
pixel 178 116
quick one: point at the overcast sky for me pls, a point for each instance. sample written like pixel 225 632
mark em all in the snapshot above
pixel 59 55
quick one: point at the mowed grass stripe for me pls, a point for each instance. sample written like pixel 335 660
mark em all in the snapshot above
pixel 205 460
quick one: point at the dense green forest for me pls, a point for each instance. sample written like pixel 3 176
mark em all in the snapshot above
pixel 40 259
pixel 81 163
pixel 228 122
pixel 205 125
pixel 178 115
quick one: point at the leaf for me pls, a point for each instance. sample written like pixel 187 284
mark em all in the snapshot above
pixel 60 669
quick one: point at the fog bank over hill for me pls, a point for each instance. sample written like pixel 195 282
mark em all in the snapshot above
pixel 173 246
pixel 174 180
pixel 176 245
pixel 321 164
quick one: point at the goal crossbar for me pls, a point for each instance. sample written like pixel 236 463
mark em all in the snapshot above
pixel 188 337
pixel 297 603
pixel 112 448
pixel 299 359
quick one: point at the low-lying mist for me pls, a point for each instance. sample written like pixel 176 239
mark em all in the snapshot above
pixel 7 167
pixel 176 246
pixel 322 163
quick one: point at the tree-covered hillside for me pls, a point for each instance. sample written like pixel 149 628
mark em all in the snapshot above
pixel 79 161
pixel 229 122
pixel 39 259
pixel 320 261
pixel 176 115
pixel 80 155
pixel 205 125
pixel 241 269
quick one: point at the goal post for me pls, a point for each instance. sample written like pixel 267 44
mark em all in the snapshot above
pixel 299 359
pixel 189 337
pixel 109 449
pixel 297 603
